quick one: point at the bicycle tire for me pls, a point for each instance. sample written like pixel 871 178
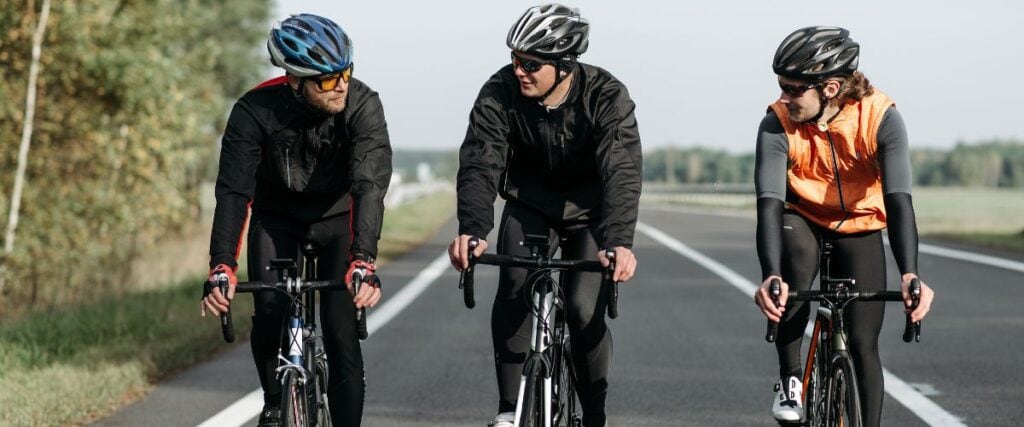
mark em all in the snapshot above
pixel 566 404
pixel 322 409
pixel 816 381
pixel 293 400
pixel 532 414
pixel 844 400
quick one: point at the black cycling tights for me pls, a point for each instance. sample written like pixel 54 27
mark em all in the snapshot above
pixel 858 256
pixel 511 324
pixel 271 237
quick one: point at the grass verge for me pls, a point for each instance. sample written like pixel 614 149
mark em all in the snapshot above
pixel 1007 242
pixel 76 365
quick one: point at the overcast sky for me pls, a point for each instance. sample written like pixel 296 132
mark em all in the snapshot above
pixel 698 71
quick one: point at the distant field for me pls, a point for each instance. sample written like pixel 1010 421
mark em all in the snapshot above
pixel 969 210
pixel 948 211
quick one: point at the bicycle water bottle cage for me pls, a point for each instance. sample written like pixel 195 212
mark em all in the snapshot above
pixel 537 244
pixel 286 268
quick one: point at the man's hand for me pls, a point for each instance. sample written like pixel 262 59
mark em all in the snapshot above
pixel 458 251
pixel 215 302
pixel 369 290
pixel 763 299
pixel 924 302
pixel 625 263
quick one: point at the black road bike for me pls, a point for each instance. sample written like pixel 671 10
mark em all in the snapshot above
pixel 830 389
pixel 547 390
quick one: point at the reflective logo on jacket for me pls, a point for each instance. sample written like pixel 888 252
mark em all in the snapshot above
pixel 834 178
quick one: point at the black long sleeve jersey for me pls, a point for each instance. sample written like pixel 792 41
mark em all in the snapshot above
pixel 577 163
pixel 282 156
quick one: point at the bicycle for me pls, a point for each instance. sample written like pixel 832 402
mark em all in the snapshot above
pixel 303 363
pixel 830 390
pixel 547 390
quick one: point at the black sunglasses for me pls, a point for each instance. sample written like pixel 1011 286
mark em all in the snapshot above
pixel 796 90
pixel 528 65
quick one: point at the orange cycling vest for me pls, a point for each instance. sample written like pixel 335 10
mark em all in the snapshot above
pixel 850 201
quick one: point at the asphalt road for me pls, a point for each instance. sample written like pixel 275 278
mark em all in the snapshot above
pixel 689 346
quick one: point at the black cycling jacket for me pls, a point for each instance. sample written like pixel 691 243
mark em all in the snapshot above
pixel 280 155
pixel 576 163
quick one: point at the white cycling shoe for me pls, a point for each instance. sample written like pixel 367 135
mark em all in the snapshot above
pixel 504 419
pixel 788 404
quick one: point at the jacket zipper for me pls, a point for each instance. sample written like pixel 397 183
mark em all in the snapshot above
pixel 288 166
pixel 839 182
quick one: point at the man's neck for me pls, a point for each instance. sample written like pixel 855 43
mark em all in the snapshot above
pixel 830 112
pixel 557 96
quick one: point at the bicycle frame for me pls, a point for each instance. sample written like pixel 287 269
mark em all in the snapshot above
pixel 546 301
pixel 303 362
pixel 301 323
pixel 548 321
pixel 829 326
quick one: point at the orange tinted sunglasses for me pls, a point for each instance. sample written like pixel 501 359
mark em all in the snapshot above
pixel 328 82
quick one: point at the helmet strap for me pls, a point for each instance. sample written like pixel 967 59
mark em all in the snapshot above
pixel 822 103
pixel 298 92
pixel 560 66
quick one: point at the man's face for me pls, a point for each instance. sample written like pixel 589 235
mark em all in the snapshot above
pixel 802 99
pixel 536 75
pixel 331 101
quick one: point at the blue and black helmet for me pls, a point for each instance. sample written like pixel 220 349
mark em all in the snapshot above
pixel 308 45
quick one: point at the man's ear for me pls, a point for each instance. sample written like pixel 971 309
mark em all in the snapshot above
pixel 294 82
pixel 831 89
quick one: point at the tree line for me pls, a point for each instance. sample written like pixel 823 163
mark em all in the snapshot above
pixel 131 97
pixel 998 163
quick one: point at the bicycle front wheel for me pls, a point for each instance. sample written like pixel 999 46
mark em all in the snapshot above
pixel 816 381
pixel 322 411
pixel 532 412
pixel 843 398
pixel 294 401
pixel 566 401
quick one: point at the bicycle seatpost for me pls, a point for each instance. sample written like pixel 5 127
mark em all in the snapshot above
pixel 773 327
pixel 466 278
pixel 912 330
pixel 613 302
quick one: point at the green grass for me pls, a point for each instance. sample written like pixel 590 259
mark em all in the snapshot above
pixel 1006 242
pixel 81 363
pixel 960 210
pixel 70 365
pixel 987 217
pixel 406 227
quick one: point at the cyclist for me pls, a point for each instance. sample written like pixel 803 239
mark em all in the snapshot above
pixel 832 163
pixel 558 139
pixel 309 153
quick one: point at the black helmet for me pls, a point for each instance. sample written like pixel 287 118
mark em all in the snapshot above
pixel 814 54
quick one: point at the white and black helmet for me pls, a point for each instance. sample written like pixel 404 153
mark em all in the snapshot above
pixel 814 54
pixel 551 31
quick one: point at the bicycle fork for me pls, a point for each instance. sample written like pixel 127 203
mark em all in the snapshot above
pixel 544 301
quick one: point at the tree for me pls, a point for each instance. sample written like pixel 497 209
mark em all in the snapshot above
pixel 127 118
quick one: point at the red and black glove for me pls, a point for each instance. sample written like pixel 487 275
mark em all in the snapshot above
pixel 216 274
pixel 359 264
